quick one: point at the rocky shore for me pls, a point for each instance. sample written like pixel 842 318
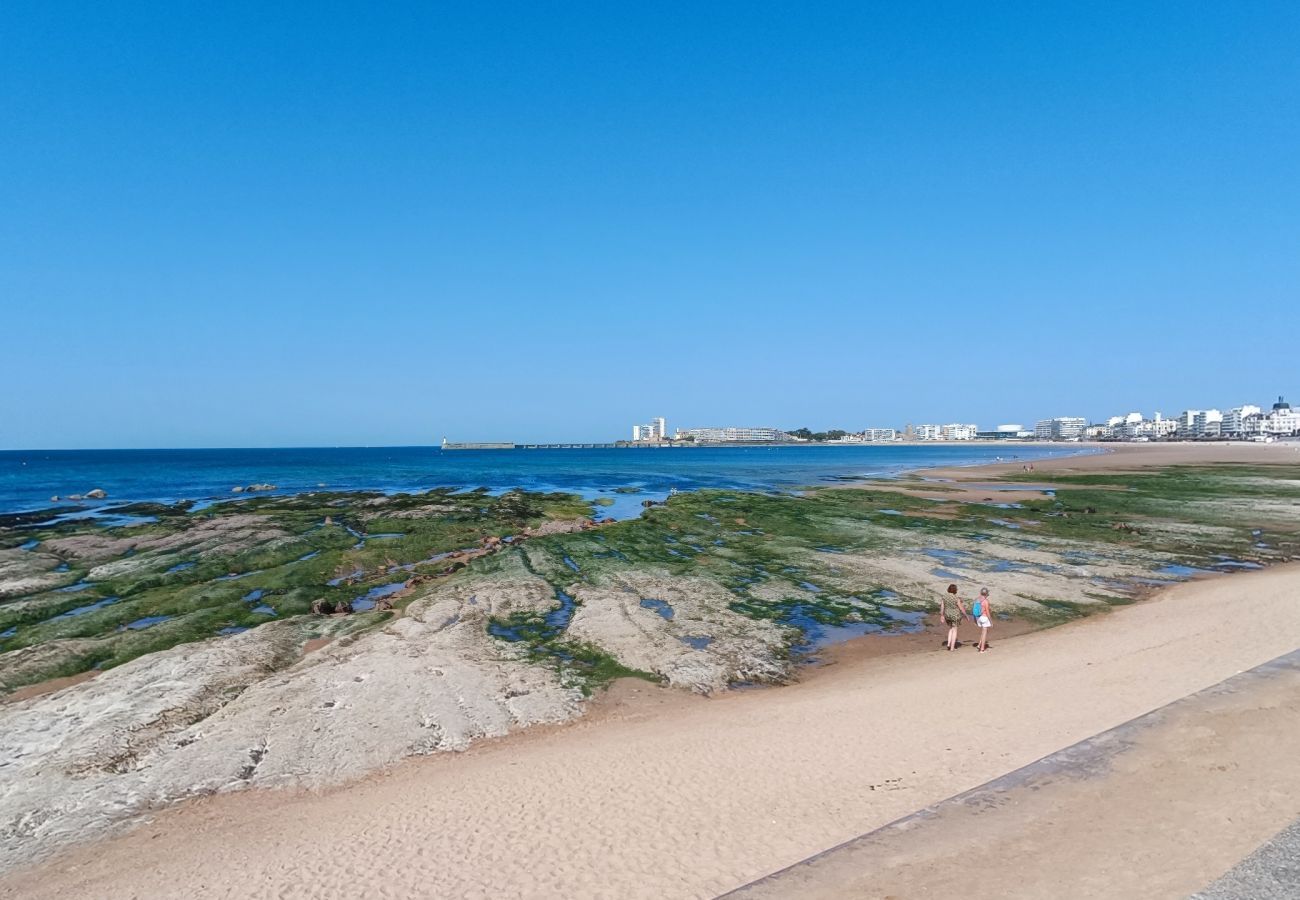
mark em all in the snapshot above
pixel 213 662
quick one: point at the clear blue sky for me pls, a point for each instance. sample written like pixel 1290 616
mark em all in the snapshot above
pixel 227 225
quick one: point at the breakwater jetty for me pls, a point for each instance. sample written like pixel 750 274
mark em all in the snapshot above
pixel 571 445
pixel 615 445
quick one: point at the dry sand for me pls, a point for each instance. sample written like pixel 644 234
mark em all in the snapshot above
pixel 688 797
pixel 1158 807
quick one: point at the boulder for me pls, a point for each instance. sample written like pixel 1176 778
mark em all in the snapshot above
pixel 96 494
pixel 237 489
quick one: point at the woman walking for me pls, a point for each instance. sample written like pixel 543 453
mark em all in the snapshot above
pixel 982 613
pixel 951 611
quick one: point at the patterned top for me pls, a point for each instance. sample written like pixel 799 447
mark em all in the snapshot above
pixel 951 612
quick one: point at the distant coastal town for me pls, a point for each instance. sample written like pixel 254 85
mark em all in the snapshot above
pixel 1247 422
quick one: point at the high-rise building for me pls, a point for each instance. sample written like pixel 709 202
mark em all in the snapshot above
pixel 1236 421
pixel 657 430
pixel 1185 422
pixel 732 434
pixel 1207 423
pixel 1062 428
pixel 958 432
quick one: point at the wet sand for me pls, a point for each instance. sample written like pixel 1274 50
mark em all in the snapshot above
pixel 979 483
pixel 1125 457
pixel 47 687
pixel 666 795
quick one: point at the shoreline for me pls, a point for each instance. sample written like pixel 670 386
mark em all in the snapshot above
pixel 207 497
pixel 448 823
pixel 842 667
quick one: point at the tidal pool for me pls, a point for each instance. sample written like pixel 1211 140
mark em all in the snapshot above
pixel 369 598
pixel 82 610
pixel 663 607
pixel 143 623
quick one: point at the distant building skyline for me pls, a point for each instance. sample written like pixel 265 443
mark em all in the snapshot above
pixel 656 430
pixel 732 434
pixel 1243 422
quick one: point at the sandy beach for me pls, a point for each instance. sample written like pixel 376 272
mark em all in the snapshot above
pixel 657 793
pixel 971 482
pixel 668 795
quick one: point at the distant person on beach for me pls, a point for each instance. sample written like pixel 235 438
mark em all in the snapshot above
pixel 982 613
pixel 952 612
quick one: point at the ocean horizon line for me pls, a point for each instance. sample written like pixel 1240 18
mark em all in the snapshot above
pixel 556 445
pixel 30 480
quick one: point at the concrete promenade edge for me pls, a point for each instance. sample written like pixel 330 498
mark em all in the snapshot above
pixel 1089 758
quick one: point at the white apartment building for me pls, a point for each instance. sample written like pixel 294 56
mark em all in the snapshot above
pixel 657 430
pixel 1160 427
pixel 879 434
pixel 928 432
pixel 732 434
pixel 1235 421
pixel 1206 423
pixel 1185 423
pixel 1135 425
pixel 958 432
pixel 1062 428
pixel 1280 421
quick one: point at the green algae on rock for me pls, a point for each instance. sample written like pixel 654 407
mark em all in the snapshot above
pixel 741 567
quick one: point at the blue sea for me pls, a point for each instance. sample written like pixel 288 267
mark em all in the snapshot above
pixel 28 479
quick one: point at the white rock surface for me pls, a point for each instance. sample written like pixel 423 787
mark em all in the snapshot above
pixel 640 637
pixel 244 710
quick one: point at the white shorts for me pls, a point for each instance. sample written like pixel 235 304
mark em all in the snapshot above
pixel 984 622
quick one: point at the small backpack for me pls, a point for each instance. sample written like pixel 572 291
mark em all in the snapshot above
pixel 977 610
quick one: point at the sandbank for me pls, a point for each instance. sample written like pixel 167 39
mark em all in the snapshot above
pixel 977 483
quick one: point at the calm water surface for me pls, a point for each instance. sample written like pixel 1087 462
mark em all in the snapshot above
pixel 28 479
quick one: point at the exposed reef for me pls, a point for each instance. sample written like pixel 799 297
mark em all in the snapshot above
pixel 451 616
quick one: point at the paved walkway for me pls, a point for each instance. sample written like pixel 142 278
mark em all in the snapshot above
pixel 1142 810
pixel 1270 873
